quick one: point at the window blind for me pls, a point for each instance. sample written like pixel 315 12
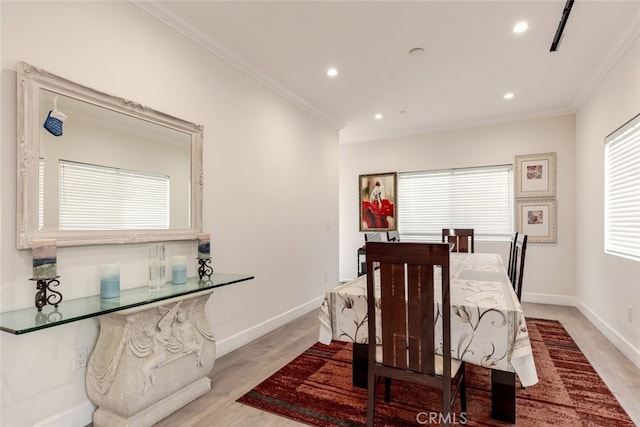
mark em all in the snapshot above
pixel 622 191
pixel 478 198
pixel 102 198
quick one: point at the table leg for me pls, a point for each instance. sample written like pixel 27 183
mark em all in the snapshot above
pixel 503 396
pixel 360 364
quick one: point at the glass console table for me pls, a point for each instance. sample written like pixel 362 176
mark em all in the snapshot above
pixel 29 319
pixel 154 352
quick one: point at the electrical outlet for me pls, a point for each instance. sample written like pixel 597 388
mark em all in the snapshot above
pixel 80 358
pixel 325 277
pixel 630 313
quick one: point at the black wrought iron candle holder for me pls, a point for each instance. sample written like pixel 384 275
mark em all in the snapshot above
pixel 205 268
pixel 45 295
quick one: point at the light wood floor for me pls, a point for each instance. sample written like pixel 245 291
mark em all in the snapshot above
pixel 236 373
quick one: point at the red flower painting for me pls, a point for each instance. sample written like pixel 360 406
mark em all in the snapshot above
pixel 377 202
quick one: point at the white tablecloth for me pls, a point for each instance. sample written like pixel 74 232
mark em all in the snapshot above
pixel 488 326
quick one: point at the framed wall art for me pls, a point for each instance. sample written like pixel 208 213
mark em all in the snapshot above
pixel 536 175
pixel 537 219
pixel 378 195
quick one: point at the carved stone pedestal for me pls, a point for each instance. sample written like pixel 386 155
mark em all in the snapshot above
pixel 150 361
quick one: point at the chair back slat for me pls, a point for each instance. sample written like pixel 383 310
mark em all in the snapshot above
pixel 420 305
pixel 394 315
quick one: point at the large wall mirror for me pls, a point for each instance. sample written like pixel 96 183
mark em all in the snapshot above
pixel 119 172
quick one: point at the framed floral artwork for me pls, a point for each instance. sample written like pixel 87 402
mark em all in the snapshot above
pixel 377 200
pixel 537 219
pixel 536 175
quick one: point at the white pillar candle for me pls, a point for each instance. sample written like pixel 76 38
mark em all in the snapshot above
pixel 203 245
pixel 109 281
pixel 44 259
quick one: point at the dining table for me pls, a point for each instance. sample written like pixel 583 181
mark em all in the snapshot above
pixel 488 326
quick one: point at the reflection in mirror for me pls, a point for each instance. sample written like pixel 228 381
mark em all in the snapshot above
pixel 91 185
pixel 113 171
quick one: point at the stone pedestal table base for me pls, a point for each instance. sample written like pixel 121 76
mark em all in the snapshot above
pixel 150 361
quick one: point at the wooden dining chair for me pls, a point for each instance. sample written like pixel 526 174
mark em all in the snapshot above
pixel 462 237
pixel 518 263
pixel 512 250
pixel 408 319
pixel 393 236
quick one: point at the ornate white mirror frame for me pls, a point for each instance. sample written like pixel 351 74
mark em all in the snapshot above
pixel 34 84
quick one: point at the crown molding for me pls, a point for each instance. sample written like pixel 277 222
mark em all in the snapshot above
pixel 227 54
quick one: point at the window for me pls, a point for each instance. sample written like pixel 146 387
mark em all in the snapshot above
pixel 478 198
pixel 622 191
pixel 132 199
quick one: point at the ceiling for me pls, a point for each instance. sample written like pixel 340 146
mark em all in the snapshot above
pixel 471 56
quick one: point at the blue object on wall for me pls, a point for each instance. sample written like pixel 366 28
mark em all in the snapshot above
pixel 53 122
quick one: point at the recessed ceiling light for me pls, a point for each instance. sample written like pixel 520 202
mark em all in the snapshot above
pixel 332 72
pixel 378 116
pixel 416 51
pixel 508 95
pixel 520 27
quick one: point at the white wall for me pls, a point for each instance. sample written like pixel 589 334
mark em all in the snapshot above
pixel 606 284
pixel 270 201
pixel 549 272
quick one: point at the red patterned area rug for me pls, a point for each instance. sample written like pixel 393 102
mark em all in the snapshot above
pixel 315 388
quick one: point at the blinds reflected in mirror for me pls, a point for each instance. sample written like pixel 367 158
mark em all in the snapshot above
pixel 96 197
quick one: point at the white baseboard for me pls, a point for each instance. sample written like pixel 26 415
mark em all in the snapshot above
pixel 236 341
pixel 81 415
pixel 632 353
pixel 550 299
pixel 622 344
